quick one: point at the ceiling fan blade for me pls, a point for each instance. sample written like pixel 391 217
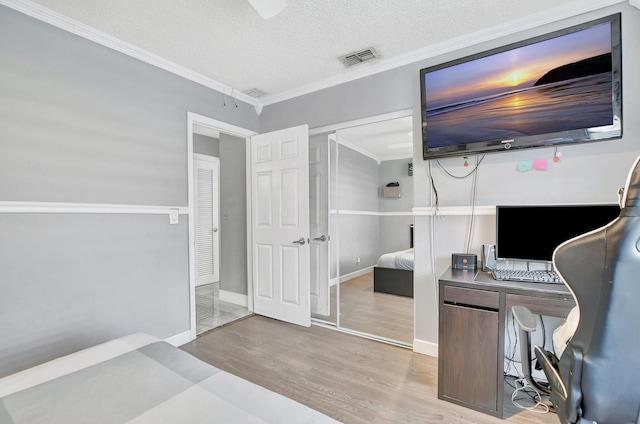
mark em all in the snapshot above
pixel 268 8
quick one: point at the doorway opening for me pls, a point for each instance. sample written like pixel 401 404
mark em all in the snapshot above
pixel 219 252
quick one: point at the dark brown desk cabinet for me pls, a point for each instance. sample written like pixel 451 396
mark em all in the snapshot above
pixel 472 310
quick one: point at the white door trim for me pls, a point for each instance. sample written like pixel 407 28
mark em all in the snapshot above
pixel 194 118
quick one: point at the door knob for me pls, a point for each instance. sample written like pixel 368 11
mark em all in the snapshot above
pixel 300 242
pixel 321 238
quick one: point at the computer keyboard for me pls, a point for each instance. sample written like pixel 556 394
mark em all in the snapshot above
pixel 535 276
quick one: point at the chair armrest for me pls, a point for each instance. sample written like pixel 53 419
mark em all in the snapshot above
pixel 524 318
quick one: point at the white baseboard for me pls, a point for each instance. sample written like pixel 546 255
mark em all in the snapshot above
pixel 180 339
pixel 355 274
pixel 425 347
pixel 333 282
pixel 235 298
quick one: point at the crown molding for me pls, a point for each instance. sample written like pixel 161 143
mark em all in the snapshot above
pixel 358 149
pixel 65 23
pixel 508 28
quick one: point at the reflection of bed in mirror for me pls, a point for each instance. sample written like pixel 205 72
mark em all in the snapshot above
pixel 394 272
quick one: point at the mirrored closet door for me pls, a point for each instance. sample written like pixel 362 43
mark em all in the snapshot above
pixel 372 244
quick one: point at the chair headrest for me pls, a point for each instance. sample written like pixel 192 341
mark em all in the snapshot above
pixel 631 195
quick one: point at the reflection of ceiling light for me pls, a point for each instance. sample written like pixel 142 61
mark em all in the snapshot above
pixel 410 133
pixel 399 145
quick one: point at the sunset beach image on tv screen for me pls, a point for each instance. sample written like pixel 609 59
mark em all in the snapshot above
pixel 554 85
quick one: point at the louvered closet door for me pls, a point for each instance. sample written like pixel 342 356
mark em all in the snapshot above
pixel 207 251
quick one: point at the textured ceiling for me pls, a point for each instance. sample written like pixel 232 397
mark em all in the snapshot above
pixel 384 140
pixel 227 41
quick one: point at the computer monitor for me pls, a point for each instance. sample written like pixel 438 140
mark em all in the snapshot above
pixel 532 233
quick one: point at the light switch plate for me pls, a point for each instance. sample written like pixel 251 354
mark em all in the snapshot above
pixel 173 216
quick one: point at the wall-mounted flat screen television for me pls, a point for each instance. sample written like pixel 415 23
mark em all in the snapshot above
pixel 559 88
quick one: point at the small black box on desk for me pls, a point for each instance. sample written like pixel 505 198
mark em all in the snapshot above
pixel 464 261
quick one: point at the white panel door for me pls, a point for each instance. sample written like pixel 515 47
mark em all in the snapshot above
pixel 280 224
pixel 207 210
pixel 319 224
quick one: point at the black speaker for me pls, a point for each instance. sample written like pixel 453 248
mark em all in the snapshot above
pixel 464 261
pixel 488 257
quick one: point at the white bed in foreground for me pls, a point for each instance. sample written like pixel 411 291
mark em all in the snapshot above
pixel 141 379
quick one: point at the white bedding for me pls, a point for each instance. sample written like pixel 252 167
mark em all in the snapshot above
pixel 402 259
pixel 140 379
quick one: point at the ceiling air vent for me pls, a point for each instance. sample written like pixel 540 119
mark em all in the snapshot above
pixel 254 92
pixel 358 57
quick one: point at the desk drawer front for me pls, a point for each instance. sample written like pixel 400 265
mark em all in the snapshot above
pixel 555 307
pixel 472 297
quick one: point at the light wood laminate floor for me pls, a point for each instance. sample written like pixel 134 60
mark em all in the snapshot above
pixel 349 378
pixel 379 314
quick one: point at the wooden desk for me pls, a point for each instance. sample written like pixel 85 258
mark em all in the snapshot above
pixel 472 311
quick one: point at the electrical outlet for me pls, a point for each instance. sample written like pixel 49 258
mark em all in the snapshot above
pixel 357 261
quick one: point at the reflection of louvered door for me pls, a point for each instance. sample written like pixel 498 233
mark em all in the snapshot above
pixel 207 251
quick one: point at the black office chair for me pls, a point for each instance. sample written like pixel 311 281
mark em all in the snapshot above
pixel 597 378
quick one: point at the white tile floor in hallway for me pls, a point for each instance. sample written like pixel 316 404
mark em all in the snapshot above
pixel 211 312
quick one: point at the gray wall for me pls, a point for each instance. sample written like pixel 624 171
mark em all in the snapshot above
pixel 395 171
pixel 357 190
pixel 82 123
pixel 233 214
pixel 394 233
pixel 370 234
pixel 394 230
pixel 206 145
pixel 74 280
pixel 357 181
pixel 586 173
pixel 358 238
